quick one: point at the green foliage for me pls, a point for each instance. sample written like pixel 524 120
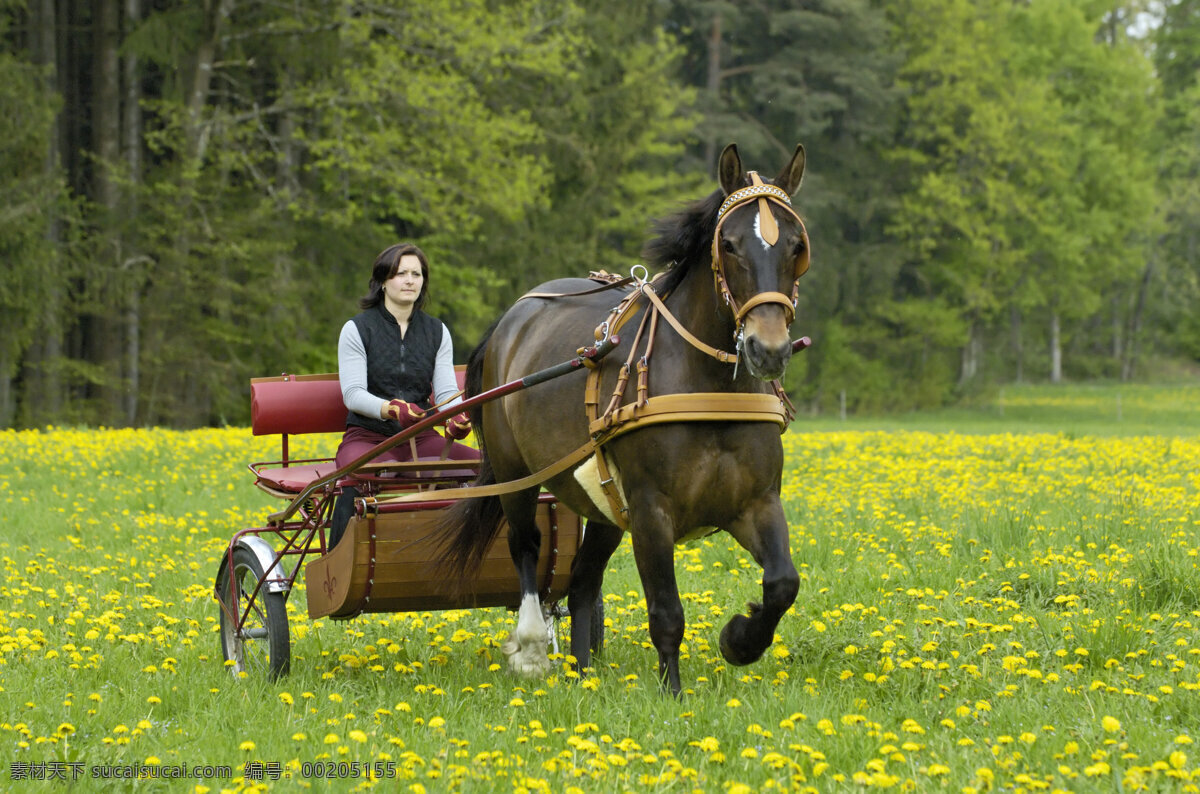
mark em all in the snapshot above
pixel 32 197
pixel 974 167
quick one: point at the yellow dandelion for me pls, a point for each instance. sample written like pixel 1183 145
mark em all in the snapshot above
pixel 733 703
pixel 246 746
pixel 286 698
pixel 358 736
pixel 1110 724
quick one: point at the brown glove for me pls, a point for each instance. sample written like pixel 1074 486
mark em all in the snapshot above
pixel 405 413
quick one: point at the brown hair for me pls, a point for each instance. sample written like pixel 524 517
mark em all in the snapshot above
pixel 386 265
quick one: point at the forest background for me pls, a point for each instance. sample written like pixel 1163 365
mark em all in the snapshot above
pixel 192 191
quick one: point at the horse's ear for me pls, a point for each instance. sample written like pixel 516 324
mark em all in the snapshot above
pixel 790 177
pixel 729 169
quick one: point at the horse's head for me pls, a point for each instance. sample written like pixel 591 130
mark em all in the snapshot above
pixel 759 252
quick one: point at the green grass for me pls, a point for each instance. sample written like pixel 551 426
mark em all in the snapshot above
pixel 1124 409
pixel 975 601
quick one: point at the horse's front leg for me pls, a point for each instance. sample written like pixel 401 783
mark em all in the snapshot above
pixel 654 551
pixel 526 645
pixel 762 531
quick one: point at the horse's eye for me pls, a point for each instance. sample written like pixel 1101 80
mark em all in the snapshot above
pixel 728 247
pixel 798 249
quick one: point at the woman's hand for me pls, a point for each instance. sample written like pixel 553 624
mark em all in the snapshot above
pixel 405 413
pixel 459 427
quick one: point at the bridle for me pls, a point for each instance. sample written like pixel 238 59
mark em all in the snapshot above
pixel 764 195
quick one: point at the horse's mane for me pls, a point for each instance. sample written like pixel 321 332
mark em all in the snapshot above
pixel 682 239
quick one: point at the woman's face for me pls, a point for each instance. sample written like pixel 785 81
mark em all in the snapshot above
pixel 404 288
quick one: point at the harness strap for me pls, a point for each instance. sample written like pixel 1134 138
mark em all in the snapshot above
pixel 497 489
pixel 607 285
pixel 723 356
pixel 694 407
pixel 767 297
pixel 613 495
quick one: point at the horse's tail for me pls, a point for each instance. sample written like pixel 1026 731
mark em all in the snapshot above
pixel 468 527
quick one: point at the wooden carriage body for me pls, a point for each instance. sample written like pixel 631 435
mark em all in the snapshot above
pixel 387 559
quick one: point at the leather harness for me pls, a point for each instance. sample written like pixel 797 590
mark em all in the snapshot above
pixel 617 419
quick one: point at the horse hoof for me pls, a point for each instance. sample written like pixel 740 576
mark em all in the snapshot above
pixel 733 642
pixel 529 660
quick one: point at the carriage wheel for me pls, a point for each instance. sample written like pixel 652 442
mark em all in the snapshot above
pixel 264 644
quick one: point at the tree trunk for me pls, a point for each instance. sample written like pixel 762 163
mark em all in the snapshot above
pixel 1017 344
pixel 43 390
pixel 132 129
pixel 1129 364
pixel 1055 349
pixel 970 355
pixel 713 87
pixel 104 348
pixel 7 403
pixel 215 14
pixel 1117 328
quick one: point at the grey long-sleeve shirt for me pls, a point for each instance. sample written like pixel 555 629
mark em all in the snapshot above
pixel 352 373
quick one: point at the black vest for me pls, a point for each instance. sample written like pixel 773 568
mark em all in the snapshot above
pixel 398 367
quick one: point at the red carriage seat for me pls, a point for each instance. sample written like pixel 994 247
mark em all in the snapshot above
pixel 293 405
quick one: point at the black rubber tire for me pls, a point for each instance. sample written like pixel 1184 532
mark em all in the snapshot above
pixel 269 650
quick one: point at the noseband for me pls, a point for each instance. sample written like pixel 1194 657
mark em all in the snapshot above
pixel 764 195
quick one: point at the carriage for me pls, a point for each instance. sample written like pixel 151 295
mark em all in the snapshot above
pixel 706 454
pixel 386 560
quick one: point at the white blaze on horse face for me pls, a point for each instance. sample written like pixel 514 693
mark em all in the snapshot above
pixel 758 230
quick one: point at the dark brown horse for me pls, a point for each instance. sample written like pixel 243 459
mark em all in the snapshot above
pixel 678 479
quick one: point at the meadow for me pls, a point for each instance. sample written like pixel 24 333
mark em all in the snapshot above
pixel 1004 599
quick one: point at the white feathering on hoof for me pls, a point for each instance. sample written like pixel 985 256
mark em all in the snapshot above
pixel 526 645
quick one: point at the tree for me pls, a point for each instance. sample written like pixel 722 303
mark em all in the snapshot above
pixel 771 73
pixel 1017 120
pixel 615 129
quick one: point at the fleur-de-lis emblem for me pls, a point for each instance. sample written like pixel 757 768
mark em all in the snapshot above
pixel 330 584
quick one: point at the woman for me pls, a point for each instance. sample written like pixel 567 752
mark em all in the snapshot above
pixel 392 357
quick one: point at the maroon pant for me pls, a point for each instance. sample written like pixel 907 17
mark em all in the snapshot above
pixel 428 444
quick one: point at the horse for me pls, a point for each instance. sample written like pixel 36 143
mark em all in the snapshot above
pixel 678 478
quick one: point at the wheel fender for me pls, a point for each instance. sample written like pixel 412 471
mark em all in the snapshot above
pixel 266 556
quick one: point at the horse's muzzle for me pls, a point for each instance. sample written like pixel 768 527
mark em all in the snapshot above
pixel 766 360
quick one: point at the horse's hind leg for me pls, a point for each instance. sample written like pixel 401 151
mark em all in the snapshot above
pixel 526 645
pixel 600 540
pixel 764 533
